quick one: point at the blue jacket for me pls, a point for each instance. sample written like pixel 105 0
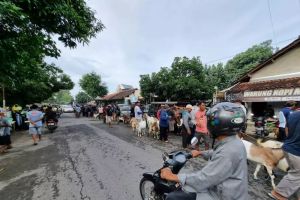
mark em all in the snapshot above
pixel 164 118
pixel 292 142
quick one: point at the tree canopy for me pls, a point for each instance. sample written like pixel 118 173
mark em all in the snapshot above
pixel 184 80
pixel 83 97
pixel 92 85
pixel 29 30
pixel 189 79
pixel 61 97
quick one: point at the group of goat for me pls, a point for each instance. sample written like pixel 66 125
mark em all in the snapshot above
pixel 268 154
pixel 140 127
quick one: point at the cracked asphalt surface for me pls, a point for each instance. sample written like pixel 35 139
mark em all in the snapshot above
pixel 85 160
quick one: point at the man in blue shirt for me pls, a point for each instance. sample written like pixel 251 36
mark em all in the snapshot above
pixel 290 183
pixel 35 123
pixel 284 115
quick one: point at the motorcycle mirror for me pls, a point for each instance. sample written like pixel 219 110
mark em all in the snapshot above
pixel 194 141
pixel 165 156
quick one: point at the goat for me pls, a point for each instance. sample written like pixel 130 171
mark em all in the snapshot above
pixel 141 129
pixel 268 157
pixel 153 127
pixel 134 124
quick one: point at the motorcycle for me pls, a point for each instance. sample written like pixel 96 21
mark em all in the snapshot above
pixel 51 125
pixel 153 187
pixel 259 123
pixel 265 126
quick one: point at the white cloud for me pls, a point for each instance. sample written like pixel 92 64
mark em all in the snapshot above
pixel 143 35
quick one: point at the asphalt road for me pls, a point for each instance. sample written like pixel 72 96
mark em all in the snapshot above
pixel 84 159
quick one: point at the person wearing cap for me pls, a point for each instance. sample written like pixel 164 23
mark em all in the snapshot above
pixel 225 176
pixel 138 112
pixel 5 127
pixel 188 126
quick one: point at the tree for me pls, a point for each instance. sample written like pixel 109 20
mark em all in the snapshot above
pixel 61 97
pixel 214 76
pixel 184 80
pixel 83 97
pixel 92 85
pixel 26 36
pixel 245 61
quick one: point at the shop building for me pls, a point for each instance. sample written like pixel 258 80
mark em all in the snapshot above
pixel 270 84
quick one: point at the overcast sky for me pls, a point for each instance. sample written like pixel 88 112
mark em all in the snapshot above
pixel 143 35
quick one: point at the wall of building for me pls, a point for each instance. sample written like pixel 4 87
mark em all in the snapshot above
pixel 286 66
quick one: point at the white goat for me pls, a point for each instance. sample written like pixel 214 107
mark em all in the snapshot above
pixel 153 126
pixel 141 129
pixel 268 157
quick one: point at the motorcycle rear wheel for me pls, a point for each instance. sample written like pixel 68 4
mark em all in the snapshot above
pixel 147 190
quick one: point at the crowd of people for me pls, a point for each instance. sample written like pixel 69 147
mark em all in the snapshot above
pixel 32 119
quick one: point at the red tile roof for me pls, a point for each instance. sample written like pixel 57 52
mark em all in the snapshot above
pixel 118 95
pixel 266 85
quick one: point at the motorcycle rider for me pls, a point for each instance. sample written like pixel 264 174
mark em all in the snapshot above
pixel 50 115
pixel 225 175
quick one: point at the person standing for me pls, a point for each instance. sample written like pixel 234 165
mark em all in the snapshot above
pixel 290 183
pixel 109 115
pixel 163 124
pixel 284 115
pixel 201 125
pixel 35 118
pixel 188 126
pixel 5 128
pixel 138 112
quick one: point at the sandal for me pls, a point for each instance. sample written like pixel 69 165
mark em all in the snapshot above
pixel 274 195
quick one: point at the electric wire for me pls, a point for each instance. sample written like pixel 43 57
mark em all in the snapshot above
pixel 271 19
pixel 228 57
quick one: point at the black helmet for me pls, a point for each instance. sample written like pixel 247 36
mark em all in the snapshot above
pixel 225 119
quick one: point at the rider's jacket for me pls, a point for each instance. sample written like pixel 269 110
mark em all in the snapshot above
pixel 225 176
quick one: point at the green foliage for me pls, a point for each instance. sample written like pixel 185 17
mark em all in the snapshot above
pixel 245 61
pixel 188 79
pixel 83 97
pixel 92 85
pixel 27 28
pixel 61 97
pixel 184 80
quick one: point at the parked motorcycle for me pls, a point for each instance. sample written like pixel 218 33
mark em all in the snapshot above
pixel 264 126
pixel 51 125
pixel 153 187
pixel 259 124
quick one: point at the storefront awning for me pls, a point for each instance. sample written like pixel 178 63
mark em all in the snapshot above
pixel 266 91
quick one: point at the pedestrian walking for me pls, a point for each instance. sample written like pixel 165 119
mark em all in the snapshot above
pixel 188 126
pixel 35 118
pixel 201 126
pixel 290 183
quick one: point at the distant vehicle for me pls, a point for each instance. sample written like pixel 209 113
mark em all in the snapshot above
pixel 125 110
pixel 67 108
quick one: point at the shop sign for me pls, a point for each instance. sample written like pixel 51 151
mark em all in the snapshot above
pixel 273 93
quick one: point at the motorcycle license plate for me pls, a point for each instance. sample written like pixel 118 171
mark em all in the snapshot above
pixel 260 129
pixel 51 124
